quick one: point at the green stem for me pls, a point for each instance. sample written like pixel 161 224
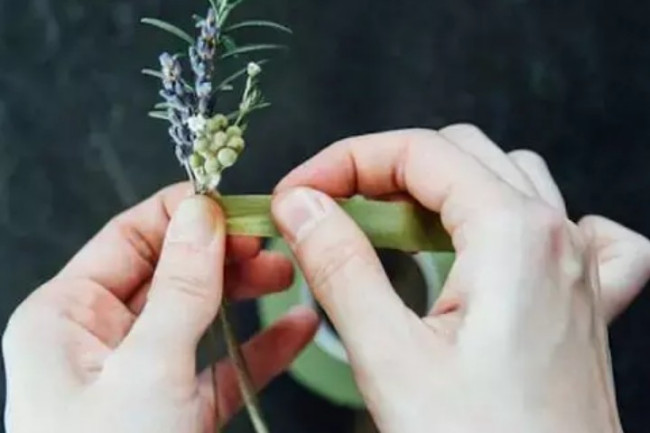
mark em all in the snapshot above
pixel 243 376
pixel 395 225
pixel 212 331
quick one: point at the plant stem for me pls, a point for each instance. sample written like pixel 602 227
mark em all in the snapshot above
pixel 396 225
pixel 243 375
pixel 234 352
pixel 212 331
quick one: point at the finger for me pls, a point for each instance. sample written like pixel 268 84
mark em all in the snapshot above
pixel 186 289
pixel 342 270
pixel 536 169
pixel 242 248
pixel 482 213
pixel 473 141
pixel 123 255
pixel 420 162
pixel 623 262
pixel 267 273
pixel 267 355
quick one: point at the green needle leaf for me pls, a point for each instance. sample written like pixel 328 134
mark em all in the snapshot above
pixel 259 23
pixel 252 48
pixel 228 43
pixel 162 115
pixel 152 73
pixel 170 28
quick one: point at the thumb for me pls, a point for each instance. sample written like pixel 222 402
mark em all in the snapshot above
pixel 343 271
pixel 187 286
pixel 623 262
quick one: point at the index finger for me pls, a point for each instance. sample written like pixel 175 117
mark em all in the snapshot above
pixel 432 170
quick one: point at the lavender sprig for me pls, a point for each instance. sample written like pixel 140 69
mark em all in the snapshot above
pixel 206 142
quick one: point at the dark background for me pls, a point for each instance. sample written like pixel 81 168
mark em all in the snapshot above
pixel 570 79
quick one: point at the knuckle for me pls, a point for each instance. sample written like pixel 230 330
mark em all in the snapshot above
pixel 526 216
pixel 126 232
pixel 529 157
pixel 194 286
pixel 546 218
pixel 462 131
pixel 330 262
pixel 22 323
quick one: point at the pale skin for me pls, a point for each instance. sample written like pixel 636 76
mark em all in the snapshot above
pixel 516 342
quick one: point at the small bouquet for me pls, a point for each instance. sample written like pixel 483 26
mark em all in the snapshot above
pixel 208 139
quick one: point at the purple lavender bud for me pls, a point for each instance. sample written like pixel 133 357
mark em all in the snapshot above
pixel 174 117
pixel 203 89
pixel 183 152
pixel 166 61
pixel 179 89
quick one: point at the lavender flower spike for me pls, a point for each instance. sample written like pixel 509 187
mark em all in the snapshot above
pixel 202 59
pixel 179 105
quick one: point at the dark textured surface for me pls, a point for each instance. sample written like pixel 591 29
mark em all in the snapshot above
pixel 568 79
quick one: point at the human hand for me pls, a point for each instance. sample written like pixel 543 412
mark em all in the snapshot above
pixel 109 344
pixel 517 340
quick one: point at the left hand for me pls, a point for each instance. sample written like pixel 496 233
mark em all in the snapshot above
pixel 109 344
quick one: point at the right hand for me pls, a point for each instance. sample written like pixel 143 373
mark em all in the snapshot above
pixel 517 341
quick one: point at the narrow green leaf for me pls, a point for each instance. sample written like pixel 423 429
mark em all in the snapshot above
pixel 152 73
pixel 242 72
pixel 213 3
pixel 252 48
pixel 161 106
pixel 228 43
pixel 259 23
pixel 162 115
pixel 260 106
pixel 170 28
pixel 232 115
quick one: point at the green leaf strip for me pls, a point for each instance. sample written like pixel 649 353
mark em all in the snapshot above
pixel 396 225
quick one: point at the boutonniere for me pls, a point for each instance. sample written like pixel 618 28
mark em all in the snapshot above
pixel 208 137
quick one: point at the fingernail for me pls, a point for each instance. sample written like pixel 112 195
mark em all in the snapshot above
pixel 298 211
pixel 194 222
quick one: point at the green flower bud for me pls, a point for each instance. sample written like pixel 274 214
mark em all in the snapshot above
pixel 218 141
pixel 253 69
pixel 234 131
pixel 212 166
pixel 227 156
pixel 196 160
pixel 201 144
pixel 217 123
pixel 236 143
pixel 213 181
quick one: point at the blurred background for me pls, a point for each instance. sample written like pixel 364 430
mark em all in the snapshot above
pixel 568 79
